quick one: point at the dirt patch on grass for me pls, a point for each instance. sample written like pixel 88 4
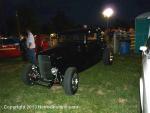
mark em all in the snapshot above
pixel 100 92
pixel 110 91
pixel 121 101
pixel 108 84
pixel 18 99
pixel 48 102
pixel 56 88
pixel 80 89
pixel 91 89
pixel 40 112
pixel 125 87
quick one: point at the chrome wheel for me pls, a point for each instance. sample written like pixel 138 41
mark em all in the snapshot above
pixel 75 81
pixel 111 57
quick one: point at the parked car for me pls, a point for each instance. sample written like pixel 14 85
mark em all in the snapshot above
pixel 145 78
pixel 76 51
pixel 9 47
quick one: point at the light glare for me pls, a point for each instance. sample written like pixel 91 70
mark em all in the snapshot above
pixel 108 12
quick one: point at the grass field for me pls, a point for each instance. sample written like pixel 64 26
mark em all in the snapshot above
pixel 103 89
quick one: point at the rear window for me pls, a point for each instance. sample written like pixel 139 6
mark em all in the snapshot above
pixel 9 41
pixel 71 38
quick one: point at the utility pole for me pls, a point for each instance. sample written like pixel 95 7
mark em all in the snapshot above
pixel 18 25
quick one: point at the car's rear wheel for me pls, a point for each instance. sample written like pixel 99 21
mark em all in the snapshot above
pixel 30 74
pixel 71 81
pixel 107 56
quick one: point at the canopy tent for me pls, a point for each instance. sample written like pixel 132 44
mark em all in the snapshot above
pixel 142 25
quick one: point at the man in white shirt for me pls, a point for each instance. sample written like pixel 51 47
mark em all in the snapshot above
pixel 31 47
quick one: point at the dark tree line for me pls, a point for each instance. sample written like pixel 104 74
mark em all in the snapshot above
pixel 26 17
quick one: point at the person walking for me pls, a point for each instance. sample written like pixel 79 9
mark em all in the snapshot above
pixel 31 47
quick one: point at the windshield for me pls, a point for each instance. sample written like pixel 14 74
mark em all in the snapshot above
pixel 71 38
pixel 7 41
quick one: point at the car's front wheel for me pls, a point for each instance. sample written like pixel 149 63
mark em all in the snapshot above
pixel 71 81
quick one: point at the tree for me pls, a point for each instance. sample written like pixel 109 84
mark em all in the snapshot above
pixel 27 19
pixel 61 22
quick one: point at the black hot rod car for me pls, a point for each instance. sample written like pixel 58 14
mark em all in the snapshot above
pixel 76 50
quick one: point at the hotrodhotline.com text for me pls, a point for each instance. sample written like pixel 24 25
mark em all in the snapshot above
pixel 27 107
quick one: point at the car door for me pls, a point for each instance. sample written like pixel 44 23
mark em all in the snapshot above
pixel 145 79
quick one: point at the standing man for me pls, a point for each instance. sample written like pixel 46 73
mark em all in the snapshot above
pixel 31 47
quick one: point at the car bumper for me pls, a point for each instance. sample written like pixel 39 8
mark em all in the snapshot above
pixel 11 52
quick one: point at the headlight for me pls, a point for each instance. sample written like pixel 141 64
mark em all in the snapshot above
pixel 54 71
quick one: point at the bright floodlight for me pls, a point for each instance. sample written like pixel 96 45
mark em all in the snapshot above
pixel 108 12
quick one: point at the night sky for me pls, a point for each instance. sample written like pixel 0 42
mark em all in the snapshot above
pixel 80 11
